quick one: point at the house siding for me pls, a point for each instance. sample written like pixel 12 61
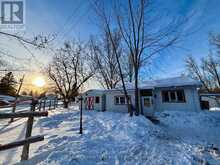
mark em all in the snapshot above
pixel 110 102
pixel 191 97
pixel 97 106
pixel 107 100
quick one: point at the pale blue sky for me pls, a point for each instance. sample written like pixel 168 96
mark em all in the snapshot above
pixel 75 19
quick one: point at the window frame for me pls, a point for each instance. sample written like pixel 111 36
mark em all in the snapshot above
pixel 96 100
pixel 176 100
pixel 119 100
pixel 172 96
pixel 149 103
pixel 183 96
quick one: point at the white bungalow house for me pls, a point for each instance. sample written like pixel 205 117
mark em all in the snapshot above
pixel 178 93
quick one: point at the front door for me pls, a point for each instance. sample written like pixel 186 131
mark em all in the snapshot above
pixel 90 103
pixel 146 102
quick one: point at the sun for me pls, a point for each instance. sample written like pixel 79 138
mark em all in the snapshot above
pixel 39 82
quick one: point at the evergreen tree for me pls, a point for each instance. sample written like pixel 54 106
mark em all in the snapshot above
pixel 8 85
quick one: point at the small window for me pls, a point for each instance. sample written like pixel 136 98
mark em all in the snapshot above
pixel 180 96
pixel 147 102
pixel 175 96
pixel 165 96
pixel 172 96
pixel 116 100
pixel 120 100
pixel 97 99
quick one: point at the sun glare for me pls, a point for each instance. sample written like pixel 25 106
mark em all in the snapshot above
pixel 39 82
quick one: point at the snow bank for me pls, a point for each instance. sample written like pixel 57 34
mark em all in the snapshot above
pixel 199 130
pixel 214 109
pixel 108 138
pixel 114 138
pixel 7 98
pixel 198 126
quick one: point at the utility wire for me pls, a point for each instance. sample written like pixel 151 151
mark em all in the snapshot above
pixel 69 19
pixel 33 56
pixel 11 56
pixel 77 22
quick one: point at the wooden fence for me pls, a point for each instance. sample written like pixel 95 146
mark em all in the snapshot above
pixel 28 138
pixel 48 104
pixel 40 105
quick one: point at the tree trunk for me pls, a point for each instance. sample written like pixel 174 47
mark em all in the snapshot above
pixel 136 94
pixel 128 100
pixel 129 105
pixel 65 104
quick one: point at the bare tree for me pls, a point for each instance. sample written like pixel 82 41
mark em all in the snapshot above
pixel 208 71
pixel 106 25
pixel 215 40
pixel 197 72
pixel 38 42
pixel 211 67
pixel 104 59
pixel 69 70
pixel 141 34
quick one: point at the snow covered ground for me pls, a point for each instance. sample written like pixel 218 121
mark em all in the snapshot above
pixel 214 109
pixel 24 107
pixel 115 138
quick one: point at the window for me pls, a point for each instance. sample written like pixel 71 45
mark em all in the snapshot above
pixel 172 96
pixel 117 100
pixel 165 96
pixel 176 96
pixel 180 95
pixel 147 102
pixel 97 99
pixel 146 92
pixel 120 100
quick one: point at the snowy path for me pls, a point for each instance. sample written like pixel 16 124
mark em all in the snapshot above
pixel 114 138
pixel 200 131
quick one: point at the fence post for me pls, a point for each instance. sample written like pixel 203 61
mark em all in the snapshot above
pixel 54 104
pixel 50 105
pixel 16 97
pixel 25 151
pixel 40 104
pixel 81 129
pixel 44 104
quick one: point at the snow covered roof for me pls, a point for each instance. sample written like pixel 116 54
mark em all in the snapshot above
pixel 170 82
pixel 166 82
pixel 95 91
pixel 151 84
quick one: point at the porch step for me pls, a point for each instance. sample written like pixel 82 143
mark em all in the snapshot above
pixel 153 119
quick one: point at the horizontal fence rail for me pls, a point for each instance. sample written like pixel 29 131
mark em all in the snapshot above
pixel 22 114
pixel 28 137
pixel 29 140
